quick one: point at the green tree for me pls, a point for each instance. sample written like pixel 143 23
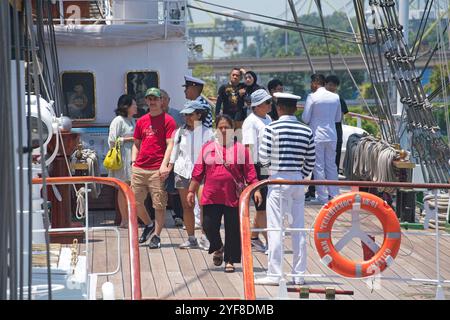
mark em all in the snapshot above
pixel 206 73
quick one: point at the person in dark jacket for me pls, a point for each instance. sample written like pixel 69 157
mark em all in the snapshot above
pixel 274 85
pixel 251 85
pixel 230 99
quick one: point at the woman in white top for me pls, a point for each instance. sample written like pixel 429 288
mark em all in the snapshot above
pixel 188 142
pixel 122 129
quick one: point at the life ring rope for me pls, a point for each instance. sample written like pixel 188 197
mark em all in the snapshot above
pixel 357 202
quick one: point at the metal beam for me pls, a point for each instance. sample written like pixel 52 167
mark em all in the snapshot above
pixel 294 64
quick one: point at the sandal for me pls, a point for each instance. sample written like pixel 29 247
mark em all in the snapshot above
pixel 229 267
pixel 218 257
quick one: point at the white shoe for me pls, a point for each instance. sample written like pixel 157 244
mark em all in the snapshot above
pixel 203 243
pixel 267 281
pixel 258 245
pixel 188 244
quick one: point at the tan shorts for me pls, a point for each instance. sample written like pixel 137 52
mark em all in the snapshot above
pixel 148 181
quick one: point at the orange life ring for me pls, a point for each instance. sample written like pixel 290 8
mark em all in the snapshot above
pixel 351 201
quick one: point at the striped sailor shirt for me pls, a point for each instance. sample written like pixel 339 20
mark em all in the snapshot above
pixel 209 120
pixel 288 145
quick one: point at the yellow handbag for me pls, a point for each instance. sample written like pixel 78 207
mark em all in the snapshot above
pixel 113 160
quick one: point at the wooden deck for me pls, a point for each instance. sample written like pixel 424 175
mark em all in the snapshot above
pixel 173 273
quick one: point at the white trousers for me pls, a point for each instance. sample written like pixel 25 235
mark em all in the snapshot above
pixel 325 169
pixel 285 200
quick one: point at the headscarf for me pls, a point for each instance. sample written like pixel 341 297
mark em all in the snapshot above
pixel 254 86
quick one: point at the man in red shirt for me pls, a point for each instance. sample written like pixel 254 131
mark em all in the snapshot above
pixel 153 142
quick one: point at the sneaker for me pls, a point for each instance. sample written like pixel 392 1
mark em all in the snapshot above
pixel 148 230
pixel 203 243
pixel 267 281
pixel 178 222
pixel 189 244
pixel 258 245
pixel 155 242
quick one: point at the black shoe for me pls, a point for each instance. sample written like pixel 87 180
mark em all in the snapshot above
pixel 155 242
pixel 309 196
pixel 148 230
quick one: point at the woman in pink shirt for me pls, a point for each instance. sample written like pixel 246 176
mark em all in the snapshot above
pixel 222 163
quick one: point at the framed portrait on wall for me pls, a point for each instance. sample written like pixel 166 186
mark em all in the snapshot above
pixel 137 82
pixel 79 94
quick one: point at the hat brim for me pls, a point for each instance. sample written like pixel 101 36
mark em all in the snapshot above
pixel 254 104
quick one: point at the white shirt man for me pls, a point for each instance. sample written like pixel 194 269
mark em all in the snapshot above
pixel 322 111
pixel 254 125
pixel 252 134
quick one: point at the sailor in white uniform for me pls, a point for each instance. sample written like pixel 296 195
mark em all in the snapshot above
pixel 193 91
pixel 322 111
pixel 288 149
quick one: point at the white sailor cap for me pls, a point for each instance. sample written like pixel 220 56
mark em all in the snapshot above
pixel 285 95
pixel 192 81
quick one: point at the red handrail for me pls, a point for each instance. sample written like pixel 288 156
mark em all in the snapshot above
pixel 136 293
pixel 244 213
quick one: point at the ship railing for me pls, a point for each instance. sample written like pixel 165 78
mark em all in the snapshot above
pixel 169 12
pixel 133 245
pixel 245 230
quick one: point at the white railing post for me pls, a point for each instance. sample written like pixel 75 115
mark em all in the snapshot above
pixel 86 216
pixel 439 289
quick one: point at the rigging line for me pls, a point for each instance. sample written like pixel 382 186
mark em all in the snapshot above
pixel 385 39
pixel 312 28
pixel 386 19
pixel 445 76
pixel 354 33
pixel 294 14
pixel 42 53
pixel 319 7
pixel 355 84
pixel 436 92
pixel 27 58
pixel 363 34
pixel 268 17
pixel 41 146
pixel 293 28
pixel 437 46
pixel 421 29
pixel 374 73
pixel 61 107
pixel 18 55
pixel 54 62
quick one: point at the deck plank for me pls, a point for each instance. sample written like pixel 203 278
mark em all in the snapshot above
pixel 171 272
pixel 188 272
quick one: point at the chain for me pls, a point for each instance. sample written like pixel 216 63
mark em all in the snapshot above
pixel 74 259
